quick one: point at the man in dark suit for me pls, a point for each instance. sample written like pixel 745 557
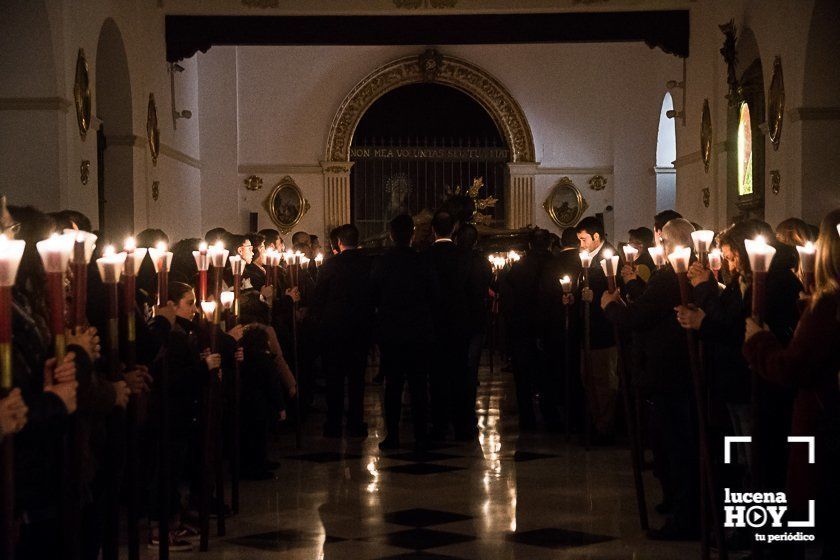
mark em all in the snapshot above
pixel 602 386
pixel 342 305
pixel 449 379
pixel 402 295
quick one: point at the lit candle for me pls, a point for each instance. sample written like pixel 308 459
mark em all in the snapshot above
pixel 226 299
pixel 586 262
pixel 566 284
pixel 715 261
pixel 237 267
pixel 55 254
pixel 609 264
pixel 209 310
pixel 133 259
pixel 807 262
pixel 202 262
pixel 702 239
pixel 11 252
pixel 761 255
pixel 162 260
pixel 218 257
pixel 680 258
pixel 82 252
pixel 658 255
pixel 630 254
pixel 319 259
pixel 110 266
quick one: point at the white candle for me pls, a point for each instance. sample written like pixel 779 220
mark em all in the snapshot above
pixel 134 256
pixel 680 258
pixel 609 264
pixel 585 259
pixel 110 265
pixel 702 239
pixel 161 257
pixel 201 259
pixel 218 254
pixel 209 310
pixel 11 251
pixel 760 253
pixel 807 257
pixel 237 265
pixel 319 259
pixel 226 299
pixel 87 239
pixel 658 255
pixel 566 284
pixel 630 254
pixel 55 252
pixel 715 260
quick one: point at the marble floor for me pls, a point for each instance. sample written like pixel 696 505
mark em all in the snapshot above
pixel 504 496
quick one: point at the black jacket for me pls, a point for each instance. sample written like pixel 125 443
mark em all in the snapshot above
pixel 342 300
pixel 402 294
pixel 521 295
pixel 450 267
pixel 661 344
pixel 601 331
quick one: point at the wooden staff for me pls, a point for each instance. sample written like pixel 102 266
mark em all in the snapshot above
pixel 202 262
pixel 610 266
pixel 55 254
pixel 218 258
pixel 586 363
pixel 162 261
pixel 708 486
pixel 110 269
pixel 293 268
pixel 566 284
pixel 209 310
pixel 10 255
pixel 237 266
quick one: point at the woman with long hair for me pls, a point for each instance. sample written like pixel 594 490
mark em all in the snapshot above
pixel 810 364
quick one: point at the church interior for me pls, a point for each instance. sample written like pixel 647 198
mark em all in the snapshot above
pixel 227 129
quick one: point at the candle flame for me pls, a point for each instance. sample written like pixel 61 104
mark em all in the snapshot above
pixel 760 240
pixel 219 246
pixel 202 246
pixel 608 253
pixel 565 280
pixel 161 246
pixel 108 251
pixel 227 299
pixel 319 258
pixel 809 247
pixel 130 244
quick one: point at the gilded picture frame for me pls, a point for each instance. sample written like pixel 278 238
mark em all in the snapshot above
pixel 152 129
pixel 286 205
pixel 81 94
pixel 776 104
pixel 706 136
pixel 565 204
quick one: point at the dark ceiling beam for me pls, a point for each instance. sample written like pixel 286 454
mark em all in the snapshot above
pixel 668 30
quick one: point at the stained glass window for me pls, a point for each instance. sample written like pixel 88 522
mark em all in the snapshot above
pixel 745 171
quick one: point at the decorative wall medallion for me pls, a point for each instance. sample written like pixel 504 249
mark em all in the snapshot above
pixel 155 190
pixel 286 205
pixel 707 197
pixel 84 171
pixel 81 94
pixel 430 64
pixel 775 181
pixel 598 183
pixel 152 130
pixel 706 135
pixel 565 203
pixel 776 104
pixel 453 72
pixel 253 183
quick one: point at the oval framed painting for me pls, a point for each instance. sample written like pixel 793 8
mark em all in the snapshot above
pixel 286 205
pixel 152 130
pixel 565 203
pixel 776 104
pixel 706 136
pixel 81 94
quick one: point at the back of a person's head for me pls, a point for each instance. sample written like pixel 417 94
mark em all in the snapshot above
pixel 256 239
pixel 333 235
pixel 793 232
pixel 271 236
pixel 301 238
pixel 540 240
pixel 401 229
pixel 177 290
pixel 254 342
pixel 252 309
pixel 183 263
pixel 34 227
pixel 348 236
pixel 827 270
pixel 443 224
pixel 467 237
pixel 66 219
pixel 151 237
pixel 590 225
pixel 643 235
pixel 664 217
pixel 214 235
pixel 569 238
pixel 676 232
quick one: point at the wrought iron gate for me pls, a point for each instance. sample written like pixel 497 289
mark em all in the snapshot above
pixel 407 176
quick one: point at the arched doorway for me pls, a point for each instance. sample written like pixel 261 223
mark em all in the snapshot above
pixel 432 67
pixel 414 145
pixel 115 137
pixel 666 153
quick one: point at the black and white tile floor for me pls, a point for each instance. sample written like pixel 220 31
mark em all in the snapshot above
pixel 504 496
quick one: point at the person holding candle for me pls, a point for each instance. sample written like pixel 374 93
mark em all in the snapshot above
pixel 13 413
pixel 602 388
pixel 659 221
pixel 666 382
pixel 272 239
pixel 641 239
pixel 809 363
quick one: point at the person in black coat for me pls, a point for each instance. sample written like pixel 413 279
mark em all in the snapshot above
pixel 342 306
pixel 449 385
pixel 667 373
pixel 526 322
pixel 602 387
pixel 402 295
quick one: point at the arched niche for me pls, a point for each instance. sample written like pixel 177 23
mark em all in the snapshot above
pixel 443 69
pixel 115 137
pixel 666 153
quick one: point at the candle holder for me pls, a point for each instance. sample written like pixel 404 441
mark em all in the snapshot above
pixel 237 267
pixel 630 255
pixel 162 261
pixel 276 260
pixel 202 262
pixel 702 239
pixel 268 263
pixel 658 255
pixel 133 259
pixel 609 264
pixel 208 308
pixel 218 257
pixel 55 254
pixel 83 245
pixel 715 262
pixel 761 255
pixel 226 299
pixel 680 259
pixel 319 260
pixel 110 266
pixel 807 263
pixel 586 262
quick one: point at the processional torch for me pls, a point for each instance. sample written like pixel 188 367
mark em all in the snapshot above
pixel 586 363
pixel 657 253
pixel 83 245
pixel 566 285
pixel 680 259
pixel 162 261
pixel 55 254
pixel 807 263
pixel 715 263
pixel 208 309
pixel 702 239
pixel 11 251
pixel 202 262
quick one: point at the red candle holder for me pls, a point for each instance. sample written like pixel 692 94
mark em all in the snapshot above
pixel 162 261
pixel 133 259
pixel 609 264
pixel 761 255
pixel 55 254
pixel 110 266
pixel 702 239
pixel 658 255
pixel 11 251
pixel 82 251
pixel 680 259
pixel 586 262
pixel 202 262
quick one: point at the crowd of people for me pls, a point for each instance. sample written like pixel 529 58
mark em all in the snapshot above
pixel 80 430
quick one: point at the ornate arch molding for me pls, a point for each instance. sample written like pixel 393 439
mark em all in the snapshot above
pixel 432 66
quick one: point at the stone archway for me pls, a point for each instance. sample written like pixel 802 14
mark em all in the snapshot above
pixel 431 66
